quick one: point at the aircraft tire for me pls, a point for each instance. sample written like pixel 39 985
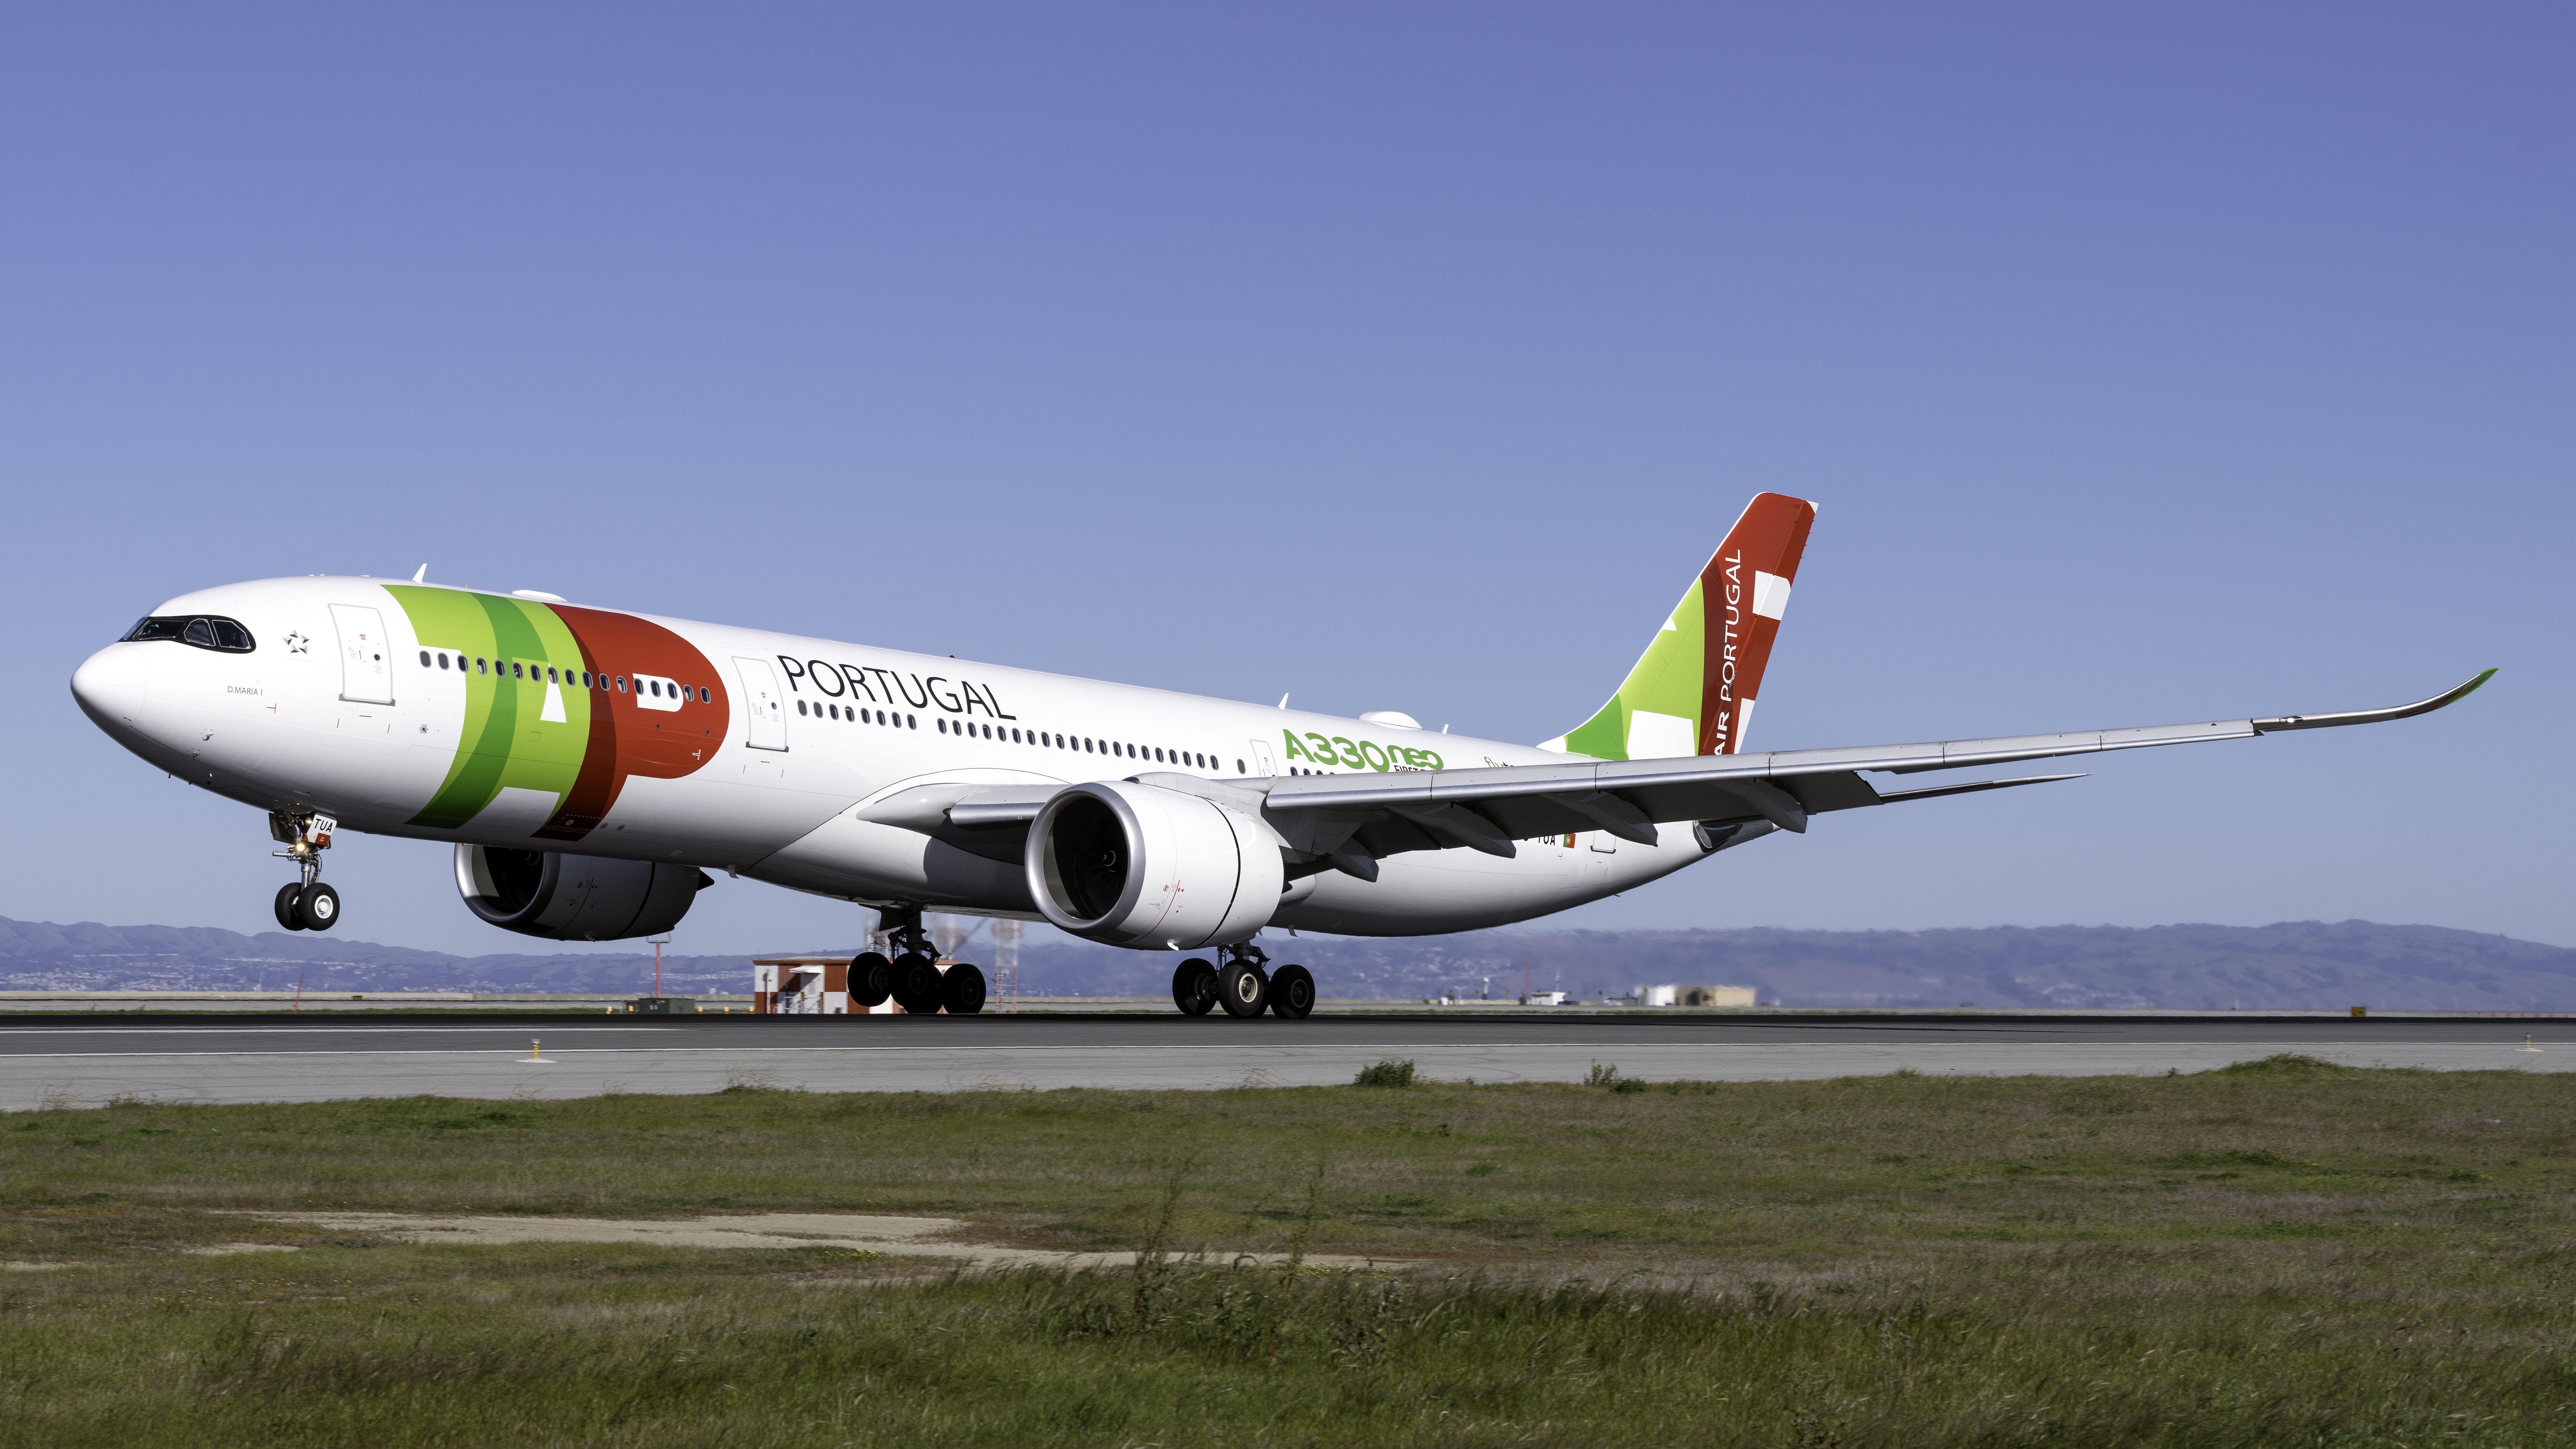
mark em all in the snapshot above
pixel 1242 990
pixel 1292 993
pixel 287 895
pixel 317 907
pixel 871 979
pixel 916 984
pixel 1194 986
pixel 961 991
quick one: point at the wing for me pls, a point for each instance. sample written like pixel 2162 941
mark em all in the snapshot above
pixel 1489 809
pixel 1349 822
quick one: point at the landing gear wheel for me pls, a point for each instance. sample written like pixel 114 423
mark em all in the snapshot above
pixel 1292 993
pixel 287 895
pixel 916 984
pixel 962 990
pixel 1194 986
pixel 317 907
pixel 1241 989
pixel 871 979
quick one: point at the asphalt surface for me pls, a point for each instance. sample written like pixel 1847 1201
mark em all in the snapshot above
pixel 69 1060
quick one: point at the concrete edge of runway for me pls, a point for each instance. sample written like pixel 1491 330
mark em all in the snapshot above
pixel 1129 1009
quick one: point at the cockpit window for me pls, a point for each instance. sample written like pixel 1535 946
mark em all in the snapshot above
pixel 204 631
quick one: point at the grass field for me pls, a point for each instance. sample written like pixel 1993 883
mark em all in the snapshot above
pixel 2280 1253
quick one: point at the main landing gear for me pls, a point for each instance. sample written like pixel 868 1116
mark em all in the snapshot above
pixel 912 976
pixel 306 904
pixel 1242 986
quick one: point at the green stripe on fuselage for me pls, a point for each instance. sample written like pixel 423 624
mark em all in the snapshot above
pixel 503 739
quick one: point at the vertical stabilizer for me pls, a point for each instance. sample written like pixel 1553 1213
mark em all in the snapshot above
pixel 1692 692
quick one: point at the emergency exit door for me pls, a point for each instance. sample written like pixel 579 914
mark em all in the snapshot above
pixel 764 710
pixel 366 659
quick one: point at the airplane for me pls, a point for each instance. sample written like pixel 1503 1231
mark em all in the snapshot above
pixel 592 765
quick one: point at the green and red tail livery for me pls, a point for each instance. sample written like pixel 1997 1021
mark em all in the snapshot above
pixel 1692 692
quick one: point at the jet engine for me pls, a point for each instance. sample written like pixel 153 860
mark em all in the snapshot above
pixel 574 897
pixel 1136 865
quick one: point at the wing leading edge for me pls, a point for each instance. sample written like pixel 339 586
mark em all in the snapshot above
pixel 1388 814
pixel 1349 822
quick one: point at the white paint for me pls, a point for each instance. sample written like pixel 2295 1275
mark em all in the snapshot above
pixel 1653 736
pixel 366 665
pixel 1770 595
pixel 764 709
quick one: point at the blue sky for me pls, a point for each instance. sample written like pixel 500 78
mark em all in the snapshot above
pixel 2160 365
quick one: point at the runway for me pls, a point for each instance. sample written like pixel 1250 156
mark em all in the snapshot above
pixel 85 1061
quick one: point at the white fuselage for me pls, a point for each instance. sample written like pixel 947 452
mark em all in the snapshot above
pixel 760 769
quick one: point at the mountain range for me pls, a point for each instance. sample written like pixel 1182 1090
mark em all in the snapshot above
pixel 2296 964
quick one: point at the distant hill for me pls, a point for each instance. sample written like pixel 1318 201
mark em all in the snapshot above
pixel 2303 964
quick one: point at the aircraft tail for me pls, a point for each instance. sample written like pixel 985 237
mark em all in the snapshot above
pixel 1692 692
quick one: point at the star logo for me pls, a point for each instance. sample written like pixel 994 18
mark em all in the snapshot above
pixel 295 643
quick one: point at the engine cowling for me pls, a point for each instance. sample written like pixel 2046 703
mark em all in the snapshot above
pixel 574 897
pixel 1139 865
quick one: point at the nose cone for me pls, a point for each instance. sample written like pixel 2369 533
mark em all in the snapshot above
pixel 114 689
pixel 109 685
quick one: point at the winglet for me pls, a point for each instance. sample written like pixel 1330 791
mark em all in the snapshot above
pixel 2372 716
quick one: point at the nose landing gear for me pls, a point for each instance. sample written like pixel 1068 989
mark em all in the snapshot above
pixel 306 904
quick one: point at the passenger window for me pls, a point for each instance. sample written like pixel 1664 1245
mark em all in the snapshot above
pixel 706 698
pixel 621 684
pixel 478 663
pixel 424 659
pixel 515 671
pixel 550 675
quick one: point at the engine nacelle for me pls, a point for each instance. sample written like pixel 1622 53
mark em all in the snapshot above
pixel 574 897
pixel 1139 865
